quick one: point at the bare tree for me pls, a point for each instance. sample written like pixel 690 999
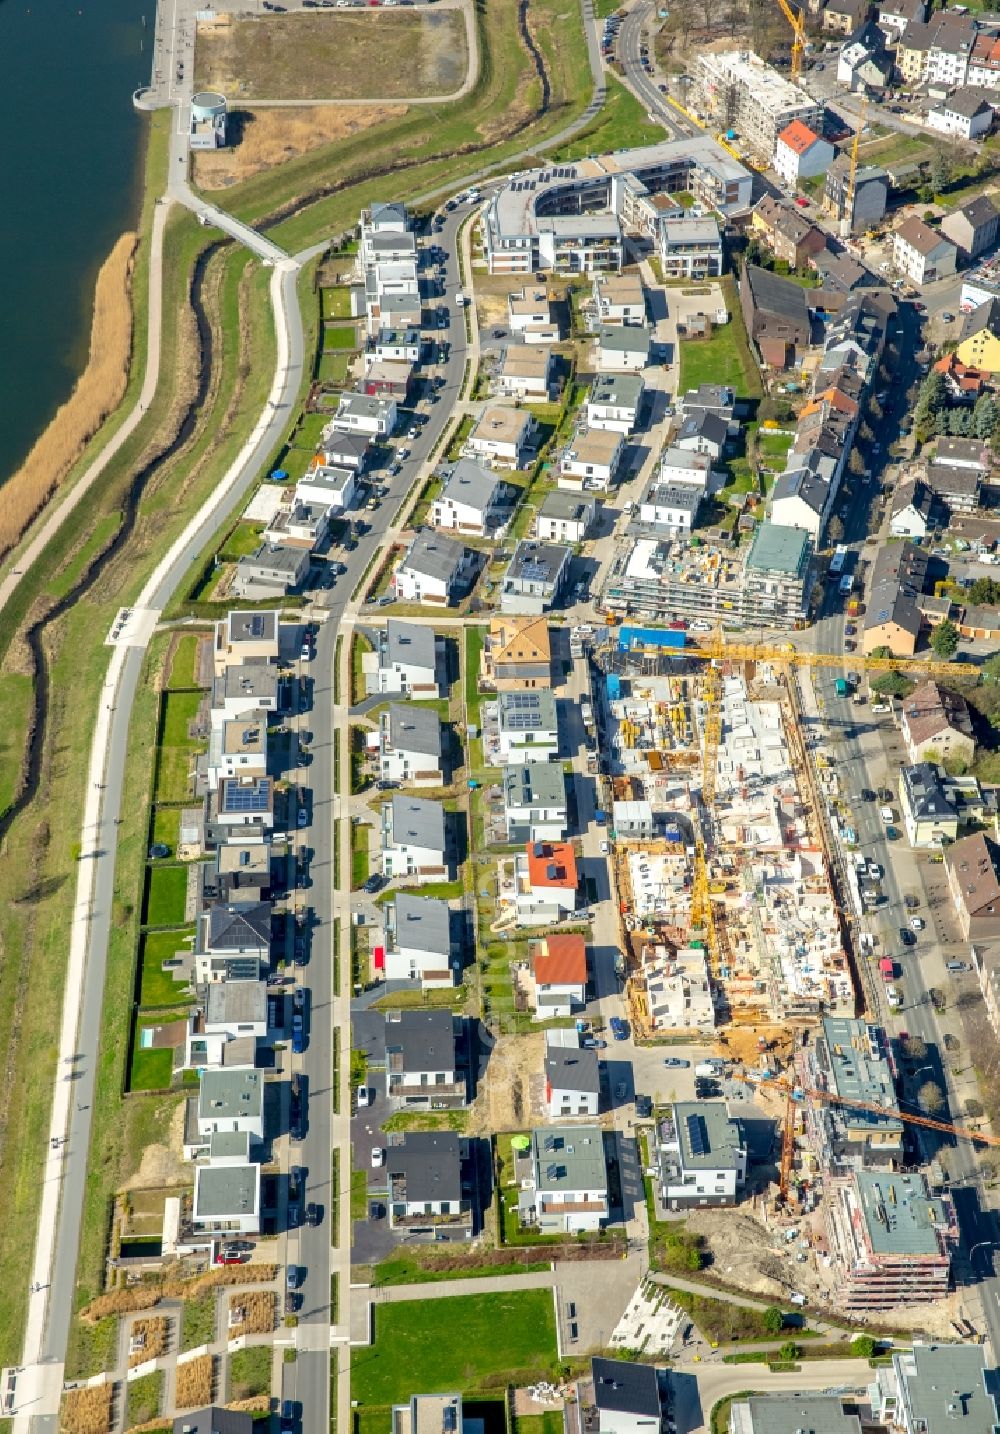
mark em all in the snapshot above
pixel 930 1098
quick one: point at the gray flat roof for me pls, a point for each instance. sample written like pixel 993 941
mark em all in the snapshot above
pixel 423 923
pixel 422 1040
pixel 534 784
pixel 777 549
pixel 800 1414
pixel 624 338
pixel 410 643
pixel 226 1190
pixel 236 1001
pixel 225 1095
pixel 709 1137
pixel 413 728
pixel 933 1373
pixel 249 679
pixel 620 389
pixel 567 1157
pixel 538 562
pixel 570 507
pixel 900 1214
pixel 857 1070
pixel 416 822
pixel 527 710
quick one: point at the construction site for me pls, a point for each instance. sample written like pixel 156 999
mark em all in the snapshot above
pixel 728 911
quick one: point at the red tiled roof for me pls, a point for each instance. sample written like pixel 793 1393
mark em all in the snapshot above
pixel 798 137
pixel 561 961
pixel 557 855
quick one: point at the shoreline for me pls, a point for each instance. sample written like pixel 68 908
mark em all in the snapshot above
pixel 98 392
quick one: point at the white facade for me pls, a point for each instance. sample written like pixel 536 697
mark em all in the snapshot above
pixel 336 487
pixel 362 414
pixel 961 122
pixel 794 164
pixel 527 739
pixel 501 436
pixel 930 258
pixel 613 409
pixel 680 468
pixel 591 459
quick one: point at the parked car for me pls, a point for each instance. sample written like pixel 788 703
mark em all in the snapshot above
pixel 302 817
pixel 298 1034
pixel 378 1157
pixel 314 1214
pixel 906 936
pixel 917 923
pixel 374 883
pixel 675 1063
pixel 619 1028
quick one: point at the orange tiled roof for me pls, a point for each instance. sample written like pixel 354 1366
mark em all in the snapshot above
pixel 798 136
pixel 561 961
pixel 557 855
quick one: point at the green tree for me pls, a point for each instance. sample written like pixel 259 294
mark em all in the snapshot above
pixel 773 1320
pixel 959 422
pixel 789 1353
pixel 985 416
pixel 944 639
pixel 985 592
pixel 891 684
pixel 940 172
pixel 991 667
pixel 863 1346
pixel 941 423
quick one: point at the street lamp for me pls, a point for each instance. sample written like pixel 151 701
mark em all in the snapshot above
pixel 979 1245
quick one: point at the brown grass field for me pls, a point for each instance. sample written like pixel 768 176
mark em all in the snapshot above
pixel 195 1382
pixel 155 1344
pixel 265 138
pixel 87 1411
pixel 257 1313
pixel 350 55
pixel 99 390
pixel 148 1295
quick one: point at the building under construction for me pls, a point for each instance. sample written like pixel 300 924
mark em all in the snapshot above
pixel 890 1241
pixel 851 1061
pixel 750 98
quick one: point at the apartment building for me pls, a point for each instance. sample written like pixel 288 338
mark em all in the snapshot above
pixel 742 93
pixel 851 1060
pixel 890 1241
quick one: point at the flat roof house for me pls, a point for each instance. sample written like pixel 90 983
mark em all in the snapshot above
pixel 226 1200
pixel 534 801
pixel 689 247
pixel 502 436
pixel 622 348
pixel 670 510
pixel 231 1101
pixel 565 517
pixel 411 746
pixel 546 882
pixel 777 574
pixel 535 578
pixel 414 839
pixel 890 1241
pixel 408 660
pixel 572 1076
pixel 563 1180
pixel 270 571
pixel 516 654
pixel 614 402
pixel 529 313
pixel 792 1413
pixel 433 1414
pixel 701 1155
pixel 323 486
pixel 433 570
pixel 619 298
pixel 525 371
pixel 365 415
pixel 917 1392
pixel 245 802
pixel 527 726
pixel 425 1059
pixel 418 942
pixel 627 1396
pixel 591 459
pixel 473 500
pixel 245 637
pixel 559 973
pixel 683 467
pixel 850 1059
pixel 429 1190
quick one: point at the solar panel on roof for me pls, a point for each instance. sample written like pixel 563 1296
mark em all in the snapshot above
pixel 257 625
pixel 247 796
pixel 696 1135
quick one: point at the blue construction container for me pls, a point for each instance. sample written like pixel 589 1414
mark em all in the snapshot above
pixel 614 686
pixel 630 637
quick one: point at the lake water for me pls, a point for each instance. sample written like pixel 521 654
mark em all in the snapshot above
pixel 72 171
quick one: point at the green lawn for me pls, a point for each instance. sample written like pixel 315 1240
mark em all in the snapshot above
pixel 243 540
pixel 166 896
pixel 346 338
pixel 474 639
pixel 309 430
pixel 551 1422
pixel 198 1321
pixel 179 711
pixel 332 367
pixel 359 1194
pixel 158 987
pixel 250 1372
pixel 621 124
pixel 336 303
pixel 360 836
pixel 713 360
pixel 456 1344
pixel 182 673
pixel 144 1397
pixel 166 827
pixel 773 445
pixel 408 1267
pixel 151 1070
pixel 16 691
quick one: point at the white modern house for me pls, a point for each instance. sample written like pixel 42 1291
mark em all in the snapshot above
pixel 433 570
pixel 536 577
pixel 231 1101
pixel 614 402
pixel 502 436
pixel 529 311
pixel 572 1076
pixel 423 1068
pixel 226 1199
pixel 233 1011
pixel 591 459
pixel 527 727
pixel 565 517
pixel 408 658
pixel 563 1180
pixel 525 371
pixel 365 415
pixel 411 746
pixel 680 468
pixel 619 298
pixel 473 500
pixel 534 801
pixel 671 509
pixel 418 942
pixel 333 487
pixel 622 348
pixel 414 839
pixel 702 1156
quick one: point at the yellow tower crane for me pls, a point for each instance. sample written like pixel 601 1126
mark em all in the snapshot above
pixel 847 223
pixel 798 24
pixel 702 916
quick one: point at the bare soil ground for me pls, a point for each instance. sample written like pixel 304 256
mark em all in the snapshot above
pixel 265 138
pixel 164 1164
pixel 353 55
pixel 505 1102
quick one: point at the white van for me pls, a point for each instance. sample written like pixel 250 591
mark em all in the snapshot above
pixel 881 707
pixel 886 814
pixel 364 1096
